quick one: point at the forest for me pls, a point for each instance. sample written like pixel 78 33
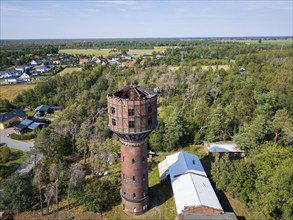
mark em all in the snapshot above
pixel 254 109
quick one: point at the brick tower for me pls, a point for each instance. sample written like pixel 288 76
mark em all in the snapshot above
pixel 132 115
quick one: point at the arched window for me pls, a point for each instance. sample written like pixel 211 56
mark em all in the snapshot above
pixel 133 178
pixel 133 161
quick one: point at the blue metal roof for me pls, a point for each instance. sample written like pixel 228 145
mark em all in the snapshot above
pixel 34 125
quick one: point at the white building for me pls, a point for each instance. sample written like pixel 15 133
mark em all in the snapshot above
pixel 222 148
pixel 193 192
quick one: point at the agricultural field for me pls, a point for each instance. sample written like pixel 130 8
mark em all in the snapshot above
pixel 69 70
pixel 264 41
pixel 11 91
pixel 105 52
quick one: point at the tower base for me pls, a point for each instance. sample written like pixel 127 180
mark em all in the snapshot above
pixel 135 207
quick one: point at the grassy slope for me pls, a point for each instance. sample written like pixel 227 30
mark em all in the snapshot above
pixel 69 70
pixel 16 158
pixel 11 91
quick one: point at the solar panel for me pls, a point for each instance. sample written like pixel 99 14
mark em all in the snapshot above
pixel 26 122
pixel 34 125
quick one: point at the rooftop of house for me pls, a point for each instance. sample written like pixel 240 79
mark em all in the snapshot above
pixel 15 113
pixel 42 108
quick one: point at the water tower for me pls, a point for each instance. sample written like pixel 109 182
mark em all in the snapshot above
pixel 132 115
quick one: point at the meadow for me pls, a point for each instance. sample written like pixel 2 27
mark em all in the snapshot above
pixel 9 92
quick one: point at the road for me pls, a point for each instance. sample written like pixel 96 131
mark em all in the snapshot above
pixel 23 146
pixel 19 145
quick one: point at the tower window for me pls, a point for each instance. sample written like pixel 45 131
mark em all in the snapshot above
pixel 124 193
pixel 134 196
pixel 123 176
pixel 114 121
pixel 150 121
pixel 133 161
pixel 130 112
pixel 150 109
pixel 131 124
pixel 143 176
pixel 133 178
pixel 123 158
pixel 143 159
pixel 112 110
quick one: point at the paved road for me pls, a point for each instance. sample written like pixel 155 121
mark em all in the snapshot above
pixel 19 145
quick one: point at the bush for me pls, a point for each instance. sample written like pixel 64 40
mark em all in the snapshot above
pixel 26 136
pixel 5 153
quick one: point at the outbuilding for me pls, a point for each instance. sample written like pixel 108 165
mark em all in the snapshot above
pixel 223 148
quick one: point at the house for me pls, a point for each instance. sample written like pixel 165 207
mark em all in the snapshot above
pixel 56 108
pixel 130 63
pixel 57 62
pixel 159 56
pixel 20 68
pixel 42 110
pixel 222 148
pixel 43 68
pixel 34 62
pixel 12 80
pixel 91 63
pixel 22 126
pixel 143 62
pixel 126 56
pixel 192 190
pixel 145 55
pixel 12 117
pixel 83 61
pixel 26 77
pixel 10 73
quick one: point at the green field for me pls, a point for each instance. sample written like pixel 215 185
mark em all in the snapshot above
pixel 69 70
pixel 274 42
pixel 105 52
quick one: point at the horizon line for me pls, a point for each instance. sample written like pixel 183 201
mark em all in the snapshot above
pixel 152 38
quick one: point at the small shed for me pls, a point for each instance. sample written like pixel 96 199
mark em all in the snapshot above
pixel 42 110
pixel 222 148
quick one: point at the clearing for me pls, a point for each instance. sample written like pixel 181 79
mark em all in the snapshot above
pixel 11 91
pixel 69 70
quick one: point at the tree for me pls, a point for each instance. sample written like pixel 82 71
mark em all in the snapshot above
pixel 282 125
pixel 75 177
pixel 5 105
pixel 17 193
pixel 5 152
pixel 55 174
pixel 37 181
pixel 49 194
pixel 100 195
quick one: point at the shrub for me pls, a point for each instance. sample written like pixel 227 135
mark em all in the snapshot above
pixel 5 152
pixel 26 136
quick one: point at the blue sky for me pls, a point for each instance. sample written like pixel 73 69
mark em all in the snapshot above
pixel 134 19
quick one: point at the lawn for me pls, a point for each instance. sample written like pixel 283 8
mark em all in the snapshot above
pixel 69 70
pixel 16 158
pixel 11 91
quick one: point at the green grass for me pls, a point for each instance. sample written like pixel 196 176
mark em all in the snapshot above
pixel 30 113
pixel 274 42
pixel 69 70
pixel 16 158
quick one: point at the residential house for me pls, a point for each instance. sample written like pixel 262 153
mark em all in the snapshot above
pixel 42 110
pixel 83 61
pixel 126 56
pixel 43 68
pixel 11 118
pixel 23 67
pixel 57 62
pixel 12 80
pixel 129 63
pixel 26 77
pixel 34 62
pixel 10 73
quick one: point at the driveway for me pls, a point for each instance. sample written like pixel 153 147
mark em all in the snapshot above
pixel 19 145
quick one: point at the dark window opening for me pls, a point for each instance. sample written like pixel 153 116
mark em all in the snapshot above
pixel 143 176
pixel 193 161
pixel 134 196
pixel 130 112
pixel 123 158
pixel 150 121
pixel 112 110
pixel 133 178
pixel 133 161
pixel 114 121
pixel 123 207
pixel 123 176
pixel 143 159
pixel 150 109
pixel 131 124
pixel 124 193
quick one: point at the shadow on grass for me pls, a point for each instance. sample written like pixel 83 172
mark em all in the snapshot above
pixel 160 193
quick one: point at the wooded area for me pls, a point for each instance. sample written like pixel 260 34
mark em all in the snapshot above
pixel 254 108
